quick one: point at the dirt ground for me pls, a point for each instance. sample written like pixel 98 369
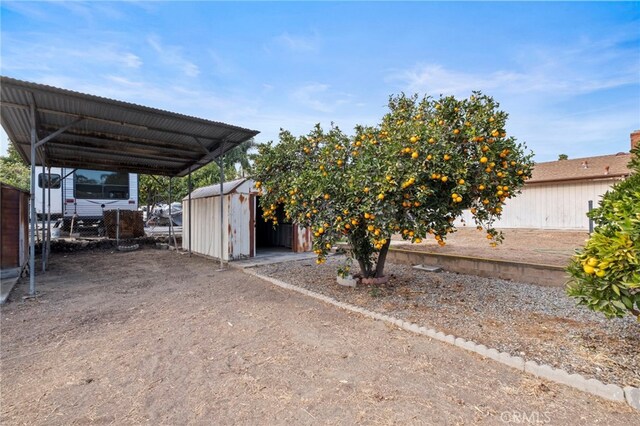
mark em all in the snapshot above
pixel 548 247
pixel 160 338
pixel 538 323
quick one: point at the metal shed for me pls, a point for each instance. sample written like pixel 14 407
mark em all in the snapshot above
pixel 245 233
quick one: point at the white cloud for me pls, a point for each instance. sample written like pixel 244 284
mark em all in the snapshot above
pixel 130 60
pixel 583 68
pixel 221 65
pixel 319 97
pixel 309 96
pixel 19 54
pixel 172 55
pixel 297 43
pixel 435 79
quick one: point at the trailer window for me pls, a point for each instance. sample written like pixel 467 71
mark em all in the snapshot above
pixel 101 185
pixel 46 180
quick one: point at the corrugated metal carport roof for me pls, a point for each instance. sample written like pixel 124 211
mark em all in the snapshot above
pixel 105 134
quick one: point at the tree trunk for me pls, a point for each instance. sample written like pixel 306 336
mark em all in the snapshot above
pixel 382 258
pixel 363 268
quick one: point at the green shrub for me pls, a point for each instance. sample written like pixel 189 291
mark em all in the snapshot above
pixel 605 274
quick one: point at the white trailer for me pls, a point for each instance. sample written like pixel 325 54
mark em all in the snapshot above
pixel 85 193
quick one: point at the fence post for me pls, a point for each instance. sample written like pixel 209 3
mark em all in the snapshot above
pixel 118 227
pixel 590 220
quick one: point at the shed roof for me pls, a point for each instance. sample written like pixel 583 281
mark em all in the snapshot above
pixel 214 190
pixel 106 134
pixel 588 168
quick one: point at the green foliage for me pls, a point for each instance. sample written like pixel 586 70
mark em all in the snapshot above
pixel 412 174
pixel 155 189
pixel 605 274
pixel 563 157
pixel 14 171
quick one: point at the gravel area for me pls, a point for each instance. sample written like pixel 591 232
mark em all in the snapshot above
pixel 538 323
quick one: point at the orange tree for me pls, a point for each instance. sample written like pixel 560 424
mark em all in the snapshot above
pixel 413 174
pixel 605 274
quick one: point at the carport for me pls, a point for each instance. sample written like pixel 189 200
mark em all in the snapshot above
pixel 53 127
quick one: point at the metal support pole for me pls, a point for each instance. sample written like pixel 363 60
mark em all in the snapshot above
pixel 44 246
pixel 44 237
pixel 32 236
pixel 49 217
pixel 590 220
pixel 172 231
pixel 221 165
pixel 170 219
pixel 189 218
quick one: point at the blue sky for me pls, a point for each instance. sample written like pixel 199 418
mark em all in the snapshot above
pixel 568 73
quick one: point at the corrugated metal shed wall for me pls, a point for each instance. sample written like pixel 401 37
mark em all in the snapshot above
pixel 205 229
pixel 561 205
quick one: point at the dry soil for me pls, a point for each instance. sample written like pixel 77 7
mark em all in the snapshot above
pixel 160 338
pixel 524 245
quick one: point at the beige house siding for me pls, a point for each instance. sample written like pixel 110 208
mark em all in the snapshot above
pixel 554 205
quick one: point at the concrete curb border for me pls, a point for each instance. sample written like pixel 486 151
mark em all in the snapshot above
pixel 630 395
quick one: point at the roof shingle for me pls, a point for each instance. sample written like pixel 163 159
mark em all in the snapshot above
pixel 601 167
